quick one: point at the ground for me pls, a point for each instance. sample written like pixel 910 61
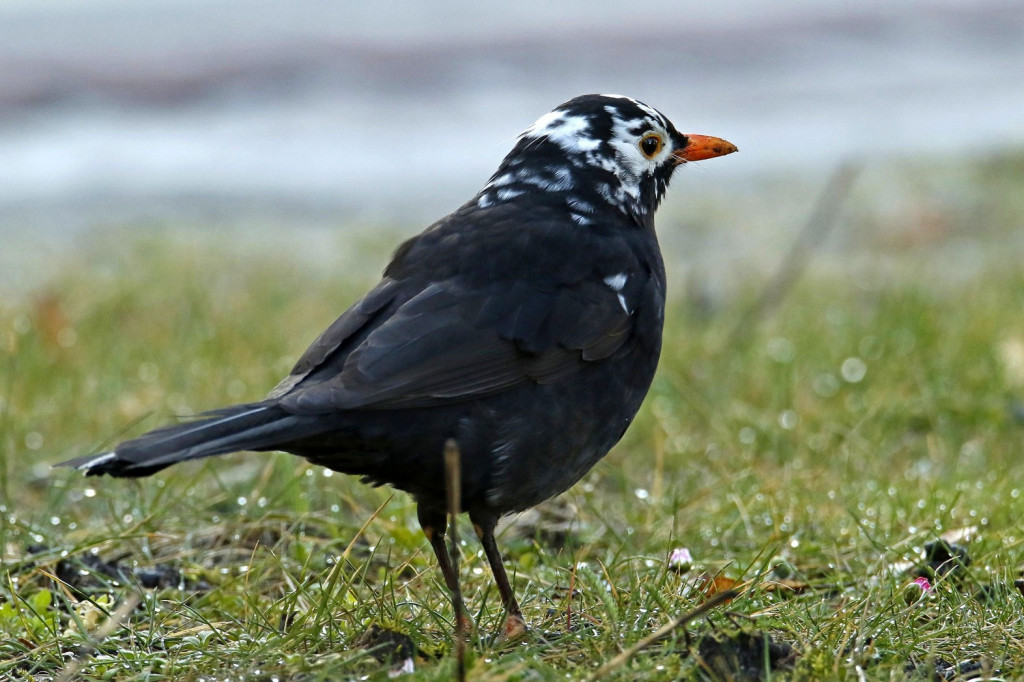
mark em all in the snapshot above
pixel 847 459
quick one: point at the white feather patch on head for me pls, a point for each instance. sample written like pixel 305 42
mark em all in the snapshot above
pixel 564 130
pixel 629 165
pixel 650 111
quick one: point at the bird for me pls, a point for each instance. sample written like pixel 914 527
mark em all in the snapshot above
pixel 523 330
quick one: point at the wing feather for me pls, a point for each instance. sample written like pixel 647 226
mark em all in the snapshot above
pixel 447 344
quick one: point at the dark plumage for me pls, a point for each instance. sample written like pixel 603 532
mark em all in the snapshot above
pixel 526 326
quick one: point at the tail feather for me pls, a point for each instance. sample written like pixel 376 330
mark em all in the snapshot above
pixel 254 426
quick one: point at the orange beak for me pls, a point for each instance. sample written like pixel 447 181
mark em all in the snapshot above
pixel 703 147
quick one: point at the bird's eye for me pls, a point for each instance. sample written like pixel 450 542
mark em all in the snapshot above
pixel 650 145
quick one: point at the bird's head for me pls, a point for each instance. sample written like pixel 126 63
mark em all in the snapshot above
pixel 595 151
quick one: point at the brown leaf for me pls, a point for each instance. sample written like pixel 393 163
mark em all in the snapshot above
pixel 713 584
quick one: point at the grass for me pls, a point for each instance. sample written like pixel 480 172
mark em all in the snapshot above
pixel 806 462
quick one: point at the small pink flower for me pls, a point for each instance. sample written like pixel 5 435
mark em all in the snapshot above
pixel 917 590
pixel 680 560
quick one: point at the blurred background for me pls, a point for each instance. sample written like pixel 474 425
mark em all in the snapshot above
pixel 286 121
pixel 191 190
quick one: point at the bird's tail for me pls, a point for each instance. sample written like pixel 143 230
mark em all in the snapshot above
pixel 253 426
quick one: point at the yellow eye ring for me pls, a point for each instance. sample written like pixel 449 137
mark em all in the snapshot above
pixel 650 144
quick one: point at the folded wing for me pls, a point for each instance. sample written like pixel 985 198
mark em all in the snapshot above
pixel 446 344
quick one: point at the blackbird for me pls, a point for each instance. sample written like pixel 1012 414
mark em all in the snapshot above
pixel 525 327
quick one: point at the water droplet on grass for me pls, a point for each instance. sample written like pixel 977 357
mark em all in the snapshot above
pixel 853 369
pixel 825 385
pixel 789 419
pixel 780 350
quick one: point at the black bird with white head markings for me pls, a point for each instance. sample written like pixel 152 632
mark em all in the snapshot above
pixel 525 326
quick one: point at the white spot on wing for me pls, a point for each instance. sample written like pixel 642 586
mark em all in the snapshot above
pixel 616 282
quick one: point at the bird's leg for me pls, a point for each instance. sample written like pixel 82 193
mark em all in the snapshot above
pixel 515 625
pixel 433 525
